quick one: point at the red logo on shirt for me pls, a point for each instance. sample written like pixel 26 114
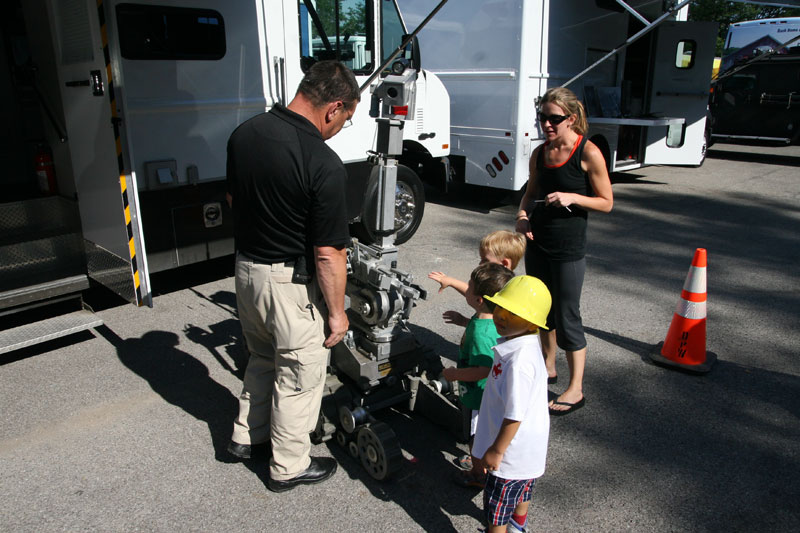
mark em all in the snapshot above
pixel 496 370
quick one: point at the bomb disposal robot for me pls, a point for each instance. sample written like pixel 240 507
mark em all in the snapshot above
pixel 380 364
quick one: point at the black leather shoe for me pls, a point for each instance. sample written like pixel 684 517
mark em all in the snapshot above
pixel 320 469
pixel 248 451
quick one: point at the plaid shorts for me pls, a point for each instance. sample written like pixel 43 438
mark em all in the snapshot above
pixel 501 497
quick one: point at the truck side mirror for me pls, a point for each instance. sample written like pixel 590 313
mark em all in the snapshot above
pixel 416 55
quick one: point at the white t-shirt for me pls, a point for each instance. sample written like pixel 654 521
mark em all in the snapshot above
pixel 516 389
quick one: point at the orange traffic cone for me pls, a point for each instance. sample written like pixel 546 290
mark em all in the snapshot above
pixel 685 345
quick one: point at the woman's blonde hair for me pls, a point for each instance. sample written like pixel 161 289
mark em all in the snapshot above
pixel 566 100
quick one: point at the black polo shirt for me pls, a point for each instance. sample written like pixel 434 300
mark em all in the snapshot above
pixel 288 188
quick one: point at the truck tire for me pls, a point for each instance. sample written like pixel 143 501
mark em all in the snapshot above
pixel 409 207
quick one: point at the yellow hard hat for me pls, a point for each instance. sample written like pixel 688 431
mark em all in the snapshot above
pixel 527 297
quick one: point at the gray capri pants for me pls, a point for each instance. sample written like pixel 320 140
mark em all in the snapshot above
pixel 564 279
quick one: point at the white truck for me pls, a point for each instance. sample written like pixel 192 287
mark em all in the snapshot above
pixel 748 39
pixel 126 108
pixel 646 94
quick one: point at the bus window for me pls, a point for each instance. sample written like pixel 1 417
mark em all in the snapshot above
pixel 170 33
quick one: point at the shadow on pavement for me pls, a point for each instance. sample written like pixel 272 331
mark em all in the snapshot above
pixel 180 379
pixel 766 244
pixel 225 335
pixel 423 486
pixel 728 437
pixel 701 452
pixel 642 349
pixel 416 487
pixel 630 177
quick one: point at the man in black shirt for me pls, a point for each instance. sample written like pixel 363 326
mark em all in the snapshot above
pixel 287 191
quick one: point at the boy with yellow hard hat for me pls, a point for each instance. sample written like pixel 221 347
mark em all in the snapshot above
pixel 514 422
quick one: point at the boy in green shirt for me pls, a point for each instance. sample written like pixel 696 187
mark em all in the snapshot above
pixel 475 353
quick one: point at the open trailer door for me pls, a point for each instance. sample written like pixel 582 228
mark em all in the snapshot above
pixel 683 56
pixel 105 188
pixel 189 73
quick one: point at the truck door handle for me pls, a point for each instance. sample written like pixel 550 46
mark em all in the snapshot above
pixel 95 81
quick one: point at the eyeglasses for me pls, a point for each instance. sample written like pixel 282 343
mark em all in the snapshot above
pixel 348 123
pixel 555 120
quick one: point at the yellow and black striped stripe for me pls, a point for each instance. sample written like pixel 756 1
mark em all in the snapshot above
pixel 123 182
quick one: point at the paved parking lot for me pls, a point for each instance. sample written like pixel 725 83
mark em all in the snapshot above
pixel 124 428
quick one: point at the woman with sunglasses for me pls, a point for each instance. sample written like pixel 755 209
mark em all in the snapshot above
pixel 567 179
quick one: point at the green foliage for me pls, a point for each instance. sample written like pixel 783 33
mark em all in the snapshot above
pixel 727 13
pixel 352 18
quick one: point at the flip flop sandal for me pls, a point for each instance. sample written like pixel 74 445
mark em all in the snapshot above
pixel 572 407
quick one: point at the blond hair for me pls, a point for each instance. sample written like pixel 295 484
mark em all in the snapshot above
pixel 566 100
pixel 504 244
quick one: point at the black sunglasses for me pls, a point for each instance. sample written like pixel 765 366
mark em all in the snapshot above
pixel 555 120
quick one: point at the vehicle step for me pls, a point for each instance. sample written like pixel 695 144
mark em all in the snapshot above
pixel 42 291
pixel 49 329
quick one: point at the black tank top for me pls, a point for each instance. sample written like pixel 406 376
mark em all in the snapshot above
pixel 559 233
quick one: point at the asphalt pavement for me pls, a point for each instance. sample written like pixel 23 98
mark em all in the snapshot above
pixel 124 428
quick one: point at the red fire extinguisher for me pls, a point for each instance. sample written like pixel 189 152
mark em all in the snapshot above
pixel 45 171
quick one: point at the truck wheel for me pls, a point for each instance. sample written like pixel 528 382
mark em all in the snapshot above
pixel 409 206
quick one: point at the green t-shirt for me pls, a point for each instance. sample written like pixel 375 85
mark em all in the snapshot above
pixel 476 350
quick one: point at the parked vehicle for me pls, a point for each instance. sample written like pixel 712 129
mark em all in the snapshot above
pixel 647 98
pixel 757 93
pixel 126 108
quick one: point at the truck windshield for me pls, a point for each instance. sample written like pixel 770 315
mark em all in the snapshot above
pixel 337 29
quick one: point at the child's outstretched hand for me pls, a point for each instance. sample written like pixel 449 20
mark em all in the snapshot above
pixel 454 317
pixel 443 280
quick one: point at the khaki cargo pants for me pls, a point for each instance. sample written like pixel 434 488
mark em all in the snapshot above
pixel 284 327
